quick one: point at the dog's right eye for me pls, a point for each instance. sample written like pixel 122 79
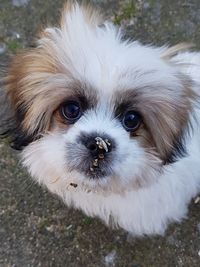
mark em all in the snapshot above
pixel 71 111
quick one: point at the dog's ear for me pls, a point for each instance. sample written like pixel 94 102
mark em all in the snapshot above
pixel 10 125
pixel 24 81
pixel 168 119
pixel 174 113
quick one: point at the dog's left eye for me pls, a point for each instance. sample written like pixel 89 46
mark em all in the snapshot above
pixel 71 111
pixel 131 120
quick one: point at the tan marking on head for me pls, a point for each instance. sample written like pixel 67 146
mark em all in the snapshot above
pixel 174 50
pixel 32 84
pixel 37 87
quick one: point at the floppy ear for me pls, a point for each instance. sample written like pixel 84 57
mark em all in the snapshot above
pixel 174 118
pixel 24 99
pixel 10 120
pixel 168 120
pixel 166 114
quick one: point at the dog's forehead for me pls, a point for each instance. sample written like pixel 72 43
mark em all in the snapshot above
pixel 109 71
pixel 111 81
pixel 102 58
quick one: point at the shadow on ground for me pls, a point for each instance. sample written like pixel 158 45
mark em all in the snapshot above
pixel 36 229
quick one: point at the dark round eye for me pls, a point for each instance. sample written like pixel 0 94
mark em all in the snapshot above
pixel 71 111
pixel 131 120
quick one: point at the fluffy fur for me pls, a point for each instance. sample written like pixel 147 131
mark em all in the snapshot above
pixel 151 174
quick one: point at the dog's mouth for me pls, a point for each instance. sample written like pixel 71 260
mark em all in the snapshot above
pixel 94 176
pixel 93 169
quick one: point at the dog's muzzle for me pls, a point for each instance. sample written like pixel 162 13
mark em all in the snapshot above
pixel 97 154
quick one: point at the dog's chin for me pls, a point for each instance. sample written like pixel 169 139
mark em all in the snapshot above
pixel 110 184
pixel 80 182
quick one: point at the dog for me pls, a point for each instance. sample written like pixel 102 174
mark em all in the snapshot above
pixel 109 125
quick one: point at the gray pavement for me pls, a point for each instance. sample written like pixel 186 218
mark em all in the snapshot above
pixel 36 228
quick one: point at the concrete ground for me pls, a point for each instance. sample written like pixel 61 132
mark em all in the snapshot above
pixel 36 229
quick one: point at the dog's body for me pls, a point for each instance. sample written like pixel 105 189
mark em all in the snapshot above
pixel 110 126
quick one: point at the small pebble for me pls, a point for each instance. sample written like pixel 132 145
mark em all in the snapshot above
pixel 198 227
pixel 110 258
pixel 2 48
pixel 50 228
pixel 69 227
pixel 197 200
pixel 19 3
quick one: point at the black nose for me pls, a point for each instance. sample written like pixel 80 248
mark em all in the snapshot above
pixel 98 145
pixel 92 147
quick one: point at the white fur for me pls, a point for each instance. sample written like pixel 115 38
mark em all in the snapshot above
pixel 147 210
pixel 100 57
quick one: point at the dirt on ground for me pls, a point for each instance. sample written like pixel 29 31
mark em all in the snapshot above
pixel 36 228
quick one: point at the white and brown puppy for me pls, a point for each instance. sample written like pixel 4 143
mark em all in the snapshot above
pixel 111 126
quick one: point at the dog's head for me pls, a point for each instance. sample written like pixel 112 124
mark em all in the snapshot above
pixel 91 109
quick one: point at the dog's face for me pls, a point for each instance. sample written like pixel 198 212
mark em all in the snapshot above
pixel 94 111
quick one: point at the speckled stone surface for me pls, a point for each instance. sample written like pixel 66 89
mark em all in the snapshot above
pixel 36 228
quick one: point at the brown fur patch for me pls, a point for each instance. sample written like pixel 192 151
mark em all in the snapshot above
pixel 165 117
pixel 174 50
pixel 38 86
pixel 30 87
